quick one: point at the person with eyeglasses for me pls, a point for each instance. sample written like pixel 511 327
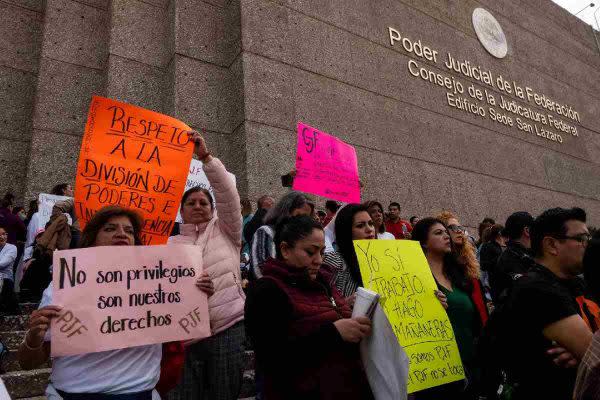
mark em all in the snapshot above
pixel 463 299
pixel 541 312
pixel 462 247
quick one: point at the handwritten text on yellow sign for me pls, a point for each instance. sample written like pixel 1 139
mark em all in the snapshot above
pixel 398 271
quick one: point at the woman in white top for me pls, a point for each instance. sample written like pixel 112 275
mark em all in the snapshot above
pixel 124 374
pixel 375 210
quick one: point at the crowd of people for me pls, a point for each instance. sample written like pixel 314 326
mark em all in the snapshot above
pixel 522 298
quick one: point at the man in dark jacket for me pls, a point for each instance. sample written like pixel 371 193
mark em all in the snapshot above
pixel 515 260
pixel 263 205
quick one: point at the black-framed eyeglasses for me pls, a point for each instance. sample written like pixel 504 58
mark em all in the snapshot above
pixel 581 238
pixel 456 228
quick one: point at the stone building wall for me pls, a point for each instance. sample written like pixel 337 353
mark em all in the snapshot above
pixel 247 70
pixel 331 65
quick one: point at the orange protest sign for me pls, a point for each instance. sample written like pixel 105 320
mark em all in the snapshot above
pixel 134 158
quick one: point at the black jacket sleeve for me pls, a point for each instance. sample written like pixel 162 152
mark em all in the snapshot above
pixel 253 225
pixel 268 315
pixel 489 255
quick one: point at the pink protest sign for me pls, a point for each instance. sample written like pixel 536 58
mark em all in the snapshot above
pixel 115 297
pixel 326 166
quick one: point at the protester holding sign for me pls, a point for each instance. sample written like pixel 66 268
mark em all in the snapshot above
pixel 263 248
pixel 130 373
pixel 297 321
pixel 214 366
pixel 466 308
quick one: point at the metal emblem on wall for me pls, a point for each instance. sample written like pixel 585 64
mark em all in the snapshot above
pixel 490 33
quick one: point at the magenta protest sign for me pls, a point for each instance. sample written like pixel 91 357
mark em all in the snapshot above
pixel 115 297
pixel 326 166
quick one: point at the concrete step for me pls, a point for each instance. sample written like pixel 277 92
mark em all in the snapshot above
pixel 27 384
pixel 12 339
pixel 45 398
pixel 27 308
pixel 13 322
pixel 248 385
pixel 10 363
pixel 23 384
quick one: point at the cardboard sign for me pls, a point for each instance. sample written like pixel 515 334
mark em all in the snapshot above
pixel 45 204
pixel 398 271
pixel 326 166
pixel 197 178
pixel 134 158
pixel 115 297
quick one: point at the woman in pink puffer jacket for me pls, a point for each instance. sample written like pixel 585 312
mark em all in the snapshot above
pixel 214 366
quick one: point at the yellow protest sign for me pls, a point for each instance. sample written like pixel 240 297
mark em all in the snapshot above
pixel 398 271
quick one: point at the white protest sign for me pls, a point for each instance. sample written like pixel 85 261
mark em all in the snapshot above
pixel 46 202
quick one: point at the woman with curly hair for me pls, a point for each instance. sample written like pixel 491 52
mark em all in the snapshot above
pixel 375 210
pixel 465 303
pixel 461 246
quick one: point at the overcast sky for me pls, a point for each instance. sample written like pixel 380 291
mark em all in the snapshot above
pixel 587 15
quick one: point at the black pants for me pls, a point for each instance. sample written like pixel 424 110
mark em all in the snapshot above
pixel 36 279
pixel 214 367
pixel 8 299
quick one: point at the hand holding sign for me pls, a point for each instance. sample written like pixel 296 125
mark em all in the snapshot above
pixel 326 166
pixel 352 330
pixel 39 323
pixel 134 158
pixel 398 271
pixel 200 148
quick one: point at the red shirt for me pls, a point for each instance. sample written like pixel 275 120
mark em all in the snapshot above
pixel 396 228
